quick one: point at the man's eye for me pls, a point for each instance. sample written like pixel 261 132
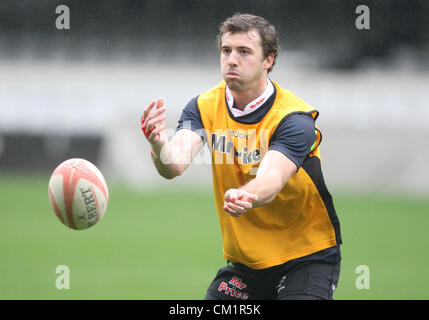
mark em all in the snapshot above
pixel 226 51
pixel 244 52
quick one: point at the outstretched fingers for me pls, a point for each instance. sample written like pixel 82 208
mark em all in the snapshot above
pixel 152 120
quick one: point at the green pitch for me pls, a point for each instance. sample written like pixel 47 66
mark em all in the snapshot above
pixel 166 244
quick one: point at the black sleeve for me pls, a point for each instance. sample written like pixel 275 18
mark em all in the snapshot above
pixel 191 119
pixel 294 137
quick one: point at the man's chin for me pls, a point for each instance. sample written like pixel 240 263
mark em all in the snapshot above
pixel 234 84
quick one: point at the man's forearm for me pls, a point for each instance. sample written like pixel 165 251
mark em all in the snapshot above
pixel 266 187
pixel 166 171
pixel 168 161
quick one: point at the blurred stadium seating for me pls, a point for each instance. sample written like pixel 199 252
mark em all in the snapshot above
pixel 92 82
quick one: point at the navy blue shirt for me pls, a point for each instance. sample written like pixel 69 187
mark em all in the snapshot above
pixel 294 135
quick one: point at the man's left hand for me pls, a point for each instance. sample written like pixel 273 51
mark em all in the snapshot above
pixel 238 201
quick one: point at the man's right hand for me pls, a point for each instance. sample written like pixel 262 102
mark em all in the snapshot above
pixel 171 157
pixel 153 124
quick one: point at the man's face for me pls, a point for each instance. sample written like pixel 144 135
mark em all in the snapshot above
pixel 242 61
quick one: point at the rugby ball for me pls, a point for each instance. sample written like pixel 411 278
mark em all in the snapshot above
pixel 78 193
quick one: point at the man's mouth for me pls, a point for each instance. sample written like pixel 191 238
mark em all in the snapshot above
pixel 232 74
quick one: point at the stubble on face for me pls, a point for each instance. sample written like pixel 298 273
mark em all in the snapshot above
pixel 246 83
pixel 237 85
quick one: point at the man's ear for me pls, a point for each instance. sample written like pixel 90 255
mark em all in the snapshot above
pixel 268 61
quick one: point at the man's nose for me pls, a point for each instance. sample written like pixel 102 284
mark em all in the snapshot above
pixel 233 59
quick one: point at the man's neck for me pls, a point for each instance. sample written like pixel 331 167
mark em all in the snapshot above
pixel 243 98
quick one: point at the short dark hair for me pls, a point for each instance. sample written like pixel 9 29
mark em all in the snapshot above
pixel 244 22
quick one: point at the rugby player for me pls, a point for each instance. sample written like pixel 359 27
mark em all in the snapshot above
pixel 280 232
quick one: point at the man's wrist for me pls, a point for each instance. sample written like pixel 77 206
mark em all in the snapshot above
pixel 156 149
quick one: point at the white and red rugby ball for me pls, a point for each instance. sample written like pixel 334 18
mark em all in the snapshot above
pixel 78 193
